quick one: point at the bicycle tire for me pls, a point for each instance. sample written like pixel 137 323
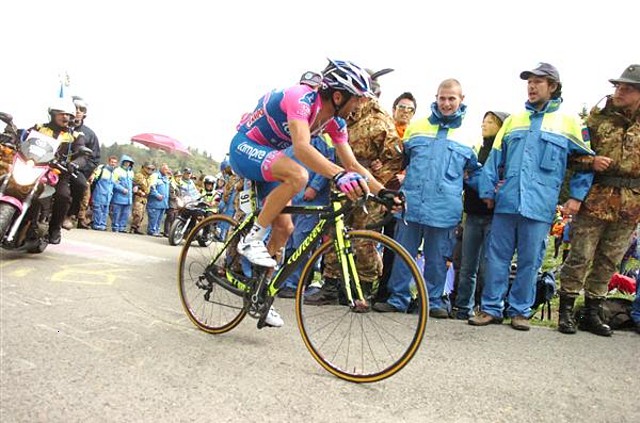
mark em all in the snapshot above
pixel 204 291
pixel 329 331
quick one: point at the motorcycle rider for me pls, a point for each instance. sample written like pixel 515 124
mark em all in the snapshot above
pixel 61 115
pixel 80 198
pixel 209 193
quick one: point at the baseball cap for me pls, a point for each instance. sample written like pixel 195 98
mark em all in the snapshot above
pixel 543 69
pixel 631 75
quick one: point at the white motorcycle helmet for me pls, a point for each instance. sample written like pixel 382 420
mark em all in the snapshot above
pixel 62 105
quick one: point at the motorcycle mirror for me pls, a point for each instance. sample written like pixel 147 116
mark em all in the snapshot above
pixel 6 118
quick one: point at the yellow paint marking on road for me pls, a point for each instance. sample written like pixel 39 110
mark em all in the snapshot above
pixel 20 272
pixel 89 273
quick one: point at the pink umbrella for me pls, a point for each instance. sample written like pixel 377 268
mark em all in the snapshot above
pixel 162 142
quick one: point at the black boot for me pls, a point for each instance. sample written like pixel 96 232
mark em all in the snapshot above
pixel 566 324
pixel 590 319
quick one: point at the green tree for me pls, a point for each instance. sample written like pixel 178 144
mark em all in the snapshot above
pixel 201 163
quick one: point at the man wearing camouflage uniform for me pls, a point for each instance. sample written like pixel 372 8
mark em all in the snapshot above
pixel 373 138
pixel 604 224
pixel 141 188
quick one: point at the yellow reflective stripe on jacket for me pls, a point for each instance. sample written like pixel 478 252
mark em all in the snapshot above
pixel 63 137
pixel 327 138
pixel 423 128
pixel 553 123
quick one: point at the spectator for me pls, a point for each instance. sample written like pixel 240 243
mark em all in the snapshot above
pixel 522 178
pixel 315 194
pixel 603 226
pixel 557 230
pixel 404 108
pixel 175 202
pixel 141 188
pixel 566 238
pixel 188 186
pixel 438 162
pixel 630 253
pixel 158 201
pixel 373 139
pixel 102 193
pixel 477 226
pixel 122 194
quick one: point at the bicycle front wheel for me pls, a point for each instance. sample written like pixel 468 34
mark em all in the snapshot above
pixel 355 343
pixel 210 300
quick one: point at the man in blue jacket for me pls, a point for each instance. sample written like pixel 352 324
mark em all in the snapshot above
pixel 158 201
pixel 439 161
pixel 521 181
pixel 102 193
pixel 122 194
pixel 315 194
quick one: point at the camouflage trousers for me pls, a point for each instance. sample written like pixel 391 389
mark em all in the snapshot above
pixel 84 206
pixel 597 247
pixel 138 212
pixel 368 258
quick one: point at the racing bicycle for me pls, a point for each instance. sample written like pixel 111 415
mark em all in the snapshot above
pixel 218 288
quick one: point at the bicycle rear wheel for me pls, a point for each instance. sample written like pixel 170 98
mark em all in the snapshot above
pixel 356 344
pixel 212 303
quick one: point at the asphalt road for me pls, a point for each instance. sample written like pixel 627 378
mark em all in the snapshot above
pixel 92 330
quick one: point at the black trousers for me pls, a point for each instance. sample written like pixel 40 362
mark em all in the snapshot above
pixel 66 191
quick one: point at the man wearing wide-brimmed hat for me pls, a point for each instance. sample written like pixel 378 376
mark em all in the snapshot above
pixel 602 230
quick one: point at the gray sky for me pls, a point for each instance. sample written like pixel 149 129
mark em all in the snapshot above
pixel 190 69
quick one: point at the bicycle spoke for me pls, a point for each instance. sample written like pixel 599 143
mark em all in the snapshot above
pixel 210 306
pixel 361 345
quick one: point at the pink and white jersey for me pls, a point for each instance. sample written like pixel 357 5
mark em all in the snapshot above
pixel 268 124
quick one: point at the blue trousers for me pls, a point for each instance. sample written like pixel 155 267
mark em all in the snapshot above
pixel 303 226
pixel 474 238
pixel 100 213
pixel 511 232
pixel 155 218
pixel 438 245
pixel 120 217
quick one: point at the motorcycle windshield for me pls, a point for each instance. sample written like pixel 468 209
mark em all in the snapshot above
pixel 39 147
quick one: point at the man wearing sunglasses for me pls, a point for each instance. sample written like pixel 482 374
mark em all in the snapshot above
pixel 404 108
pixel 80 197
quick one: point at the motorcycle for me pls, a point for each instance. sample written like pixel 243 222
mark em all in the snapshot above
pixel 191 212
pixel 29 180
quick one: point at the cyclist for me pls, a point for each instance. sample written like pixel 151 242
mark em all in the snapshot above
pixel 279 129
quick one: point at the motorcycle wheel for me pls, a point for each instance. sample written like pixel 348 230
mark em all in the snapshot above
pixel 39 247
pixel 204 240
pixel 6 217
pixel 176 235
